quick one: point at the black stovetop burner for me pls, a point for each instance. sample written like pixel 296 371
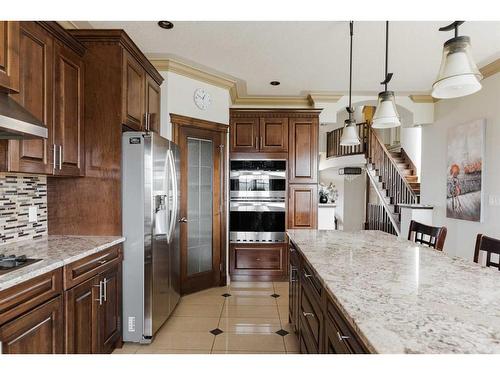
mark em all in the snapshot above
pixel 13 262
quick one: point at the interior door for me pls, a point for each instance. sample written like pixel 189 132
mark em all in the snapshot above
pixel 201 207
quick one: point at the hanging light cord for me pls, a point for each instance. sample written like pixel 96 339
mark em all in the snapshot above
pixel 349 109
pixel 388 76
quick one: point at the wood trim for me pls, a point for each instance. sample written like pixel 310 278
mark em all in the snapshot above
pixel 274 112
pixel 490 69
pixel 198 123
pixel 115 36
pixel 56 30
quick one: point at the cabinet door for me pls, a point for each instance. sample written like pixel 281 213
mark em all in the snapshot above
pixel 260 260
pixel 303 150
pixel 244 134
pixel 68 115
pixel 333 343
pixel 9 56
pixel 40 331
pixel 311 323
pixel 273 135
pixel 35 94
pixel 109 316
pixel 81 306
pixel 153 94
pixel 134 78
pixel 303 206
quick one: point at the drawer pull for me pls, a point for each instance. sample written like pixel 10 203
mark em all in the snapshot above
pixel 102 261
pixel 307 275
pixel 306 314
pixel 101 296
pixel 342 337
pixel 257 259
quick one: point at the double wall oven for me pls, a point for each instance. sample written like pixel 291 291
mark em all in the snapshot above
pixel 257 201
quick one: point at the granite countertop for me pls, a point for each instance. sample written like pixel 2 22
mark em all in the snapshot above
pixel 55 252
pixel 403 298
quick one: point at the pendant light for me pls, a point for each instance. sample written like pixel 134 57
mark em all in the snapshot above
pixel 458 75
pixel 386 115
pixel 350 134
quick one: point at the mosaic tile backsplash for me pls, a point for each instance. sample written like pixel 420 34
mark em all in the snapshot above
pixel 17 193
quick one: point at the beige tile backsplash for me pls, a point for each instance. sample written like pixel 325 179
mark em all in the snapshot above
pixel 17 193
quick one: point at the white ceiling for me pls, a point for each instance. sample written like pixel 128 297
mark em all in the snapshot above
pixel 312 56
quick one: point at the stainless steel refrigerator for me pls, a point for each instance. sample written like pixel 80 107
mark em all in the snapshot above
pixel 150 210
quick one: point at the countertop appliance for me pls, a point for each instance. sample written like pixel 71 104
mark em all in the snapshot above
pixel 13 262
pixel 150 209
pixel 257 201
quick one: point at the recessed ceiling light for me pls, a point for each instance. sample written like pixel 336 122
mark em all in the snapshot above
pixel 275 83
pixel 166 24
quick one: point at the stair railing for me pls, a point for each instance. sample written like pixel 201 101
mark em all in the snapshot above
pixel 378 219
pixel 392 177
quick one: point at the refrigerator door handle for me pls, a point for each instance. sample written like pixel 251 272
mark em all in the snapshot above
pixel 172 174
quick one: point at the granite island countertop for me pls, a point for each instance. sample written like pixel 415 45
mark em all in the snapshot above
pixel 402 298
pixel 55 252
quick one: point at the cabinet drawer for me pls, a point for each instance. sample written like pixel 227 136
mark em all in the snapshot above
pixel 25 296
pixel 83 269
pixel 310 279
pixel 268 259
pixel 311 318
pixel 342 333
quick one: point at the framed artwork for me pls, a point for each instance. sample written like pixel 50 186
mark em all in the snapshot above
pixel 465 160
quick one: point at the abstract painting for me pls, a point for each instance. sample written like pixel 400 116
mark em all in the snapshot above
pixel 465 171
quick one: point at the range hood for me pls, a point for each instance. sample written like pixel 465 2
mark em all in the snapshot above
pixel 17 123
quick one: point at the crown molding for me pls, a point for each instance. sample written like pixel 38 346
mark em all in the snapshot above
pixel 299 101
pixel 422 99
pixel 315 97
pixel 68 25
pixel 490 69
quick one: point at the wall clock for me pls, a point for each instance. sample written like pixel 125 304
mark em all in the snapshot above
pixel 202 99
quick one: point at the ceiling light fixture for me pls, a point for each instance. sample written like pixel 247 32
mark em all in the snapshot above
pixel 275 83
pixel 349 134
pixel 386 115
pixel 166 25
pixel 458 74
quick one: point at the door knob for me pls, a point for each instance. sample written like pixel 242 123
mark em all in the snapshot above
pixel 183 220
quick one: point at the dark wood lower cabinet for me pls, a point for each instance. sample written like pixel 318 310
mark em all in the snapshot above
pixel 258 261
pixel 81 305
pixel 318 321
pixel 39 317
pixel 37 332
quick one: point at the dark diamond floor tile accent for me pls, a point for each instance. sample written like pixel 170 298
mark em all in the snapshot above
pixel 226 295
pixel 282 332
pixel 218 331
pixel 275 295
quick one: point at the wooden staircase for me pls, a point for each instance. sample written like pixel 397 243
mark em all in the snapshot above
pixel 408 170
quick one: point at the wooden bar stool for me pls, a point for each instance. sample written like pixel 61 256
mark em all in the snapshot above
pixel 490 246
pixel 436 235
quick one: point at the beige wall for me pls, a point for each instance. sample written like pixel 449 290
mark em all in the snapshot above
pixel 449 113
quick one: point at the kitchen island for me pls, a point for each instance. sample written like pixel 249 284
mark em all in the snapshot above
pixel 391 295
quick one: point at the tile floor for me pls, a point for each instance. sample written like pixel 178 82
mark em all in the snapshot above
pixel 243 318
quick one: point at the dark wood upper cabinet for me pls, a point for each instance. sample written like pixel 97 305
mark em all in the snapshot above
pixel 133 93
pixel 244 134
pixel 303 150
pixel 81 307
pixel 36 53
pixel 303 206
pixel 40 331
pixel 152 100
pixel 68 116
pixel 9 56
pixel 273 134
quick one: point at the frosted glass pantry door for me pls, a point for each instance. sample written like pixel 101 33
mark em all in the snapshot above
pixel 199 205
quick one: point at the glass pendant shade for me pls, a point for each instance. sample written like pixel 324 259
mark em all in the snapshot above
pixel 458 75
pixel 386 116
pixel 349 134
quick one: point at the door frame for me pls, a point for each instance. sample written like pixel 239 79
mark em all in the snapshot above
pixel 181 122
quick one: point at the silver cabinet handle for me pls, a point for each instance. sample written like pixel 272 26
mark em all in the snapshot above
pixel 60 156
pixel 183 220
pixel 342 337
pixel 257 143
pixel 54 155
pixel 306 314
pixel 100 292
pixel 307 275
pixel 101 261
pixel 105 292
